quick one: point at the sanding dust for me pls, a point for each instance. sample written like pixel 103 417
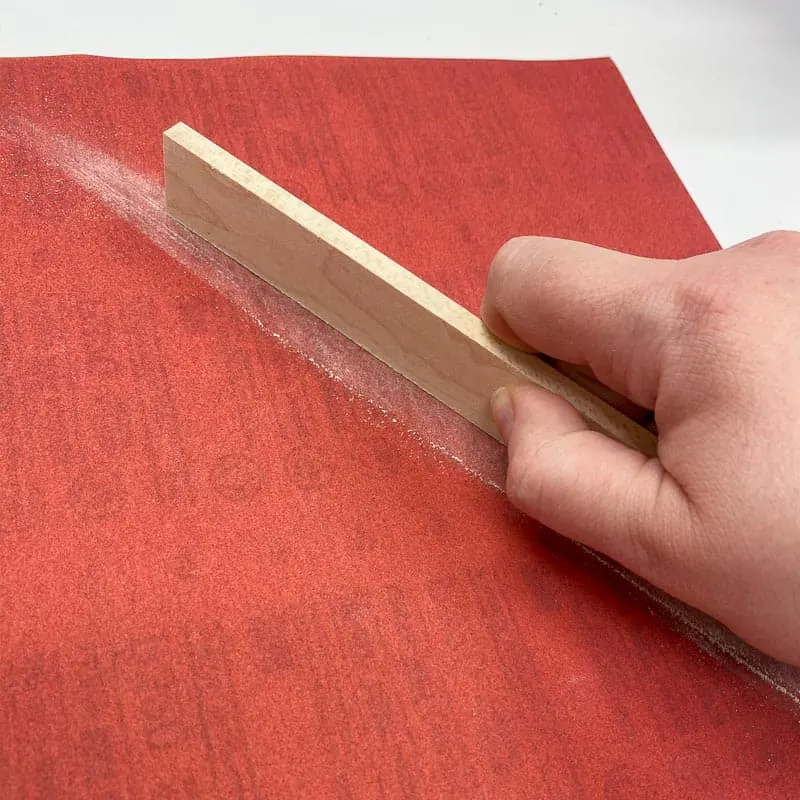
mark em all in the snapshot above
pixel 139 200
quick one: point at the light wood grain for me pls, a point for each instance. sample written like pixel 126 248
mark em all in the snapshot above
pixel 380 305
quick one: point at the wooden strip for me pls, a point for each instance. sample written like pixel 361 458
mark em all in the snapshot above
pixel 383 307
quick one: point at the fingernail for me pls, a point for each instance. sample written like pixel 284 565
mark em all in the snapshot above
pixel 503 412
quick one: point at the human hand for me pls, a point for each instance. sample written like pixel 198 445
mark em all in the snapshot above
pixel 712 345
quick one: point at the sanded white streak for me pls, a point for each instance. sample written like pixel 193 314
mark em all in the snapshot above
pixel 139 201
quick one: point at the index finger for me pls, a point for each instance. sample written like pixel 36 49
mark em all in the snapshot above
pixel 582 304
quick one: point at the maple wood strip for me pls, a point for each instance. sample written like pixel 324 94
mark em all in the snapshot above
pixel 383 307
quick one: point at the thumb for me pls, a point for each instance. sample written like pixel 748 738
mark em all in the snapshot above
pixel 593 489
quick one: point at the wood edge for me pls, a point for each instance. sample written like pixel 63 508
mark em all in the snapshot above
pixel 529 367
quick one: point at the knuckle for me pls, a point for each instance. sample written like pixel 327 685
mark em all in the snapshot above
pixel 702 305
pixel 778 241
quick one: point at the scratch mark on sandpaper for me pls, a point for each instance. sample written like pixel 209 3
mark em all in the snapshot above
pixel 139 201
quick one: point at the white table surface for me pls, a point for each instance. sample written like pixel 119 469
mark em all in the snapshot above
pixel 718 80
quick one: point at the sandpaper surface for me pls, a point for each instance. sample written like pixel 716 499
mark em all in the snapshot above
pixel 226 570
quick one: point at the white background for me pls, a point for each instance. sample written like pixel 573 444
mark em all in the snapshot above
pixel 718 80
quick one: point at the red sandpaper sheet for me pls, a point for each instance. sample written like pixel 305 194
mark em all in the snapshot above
pixel 237 559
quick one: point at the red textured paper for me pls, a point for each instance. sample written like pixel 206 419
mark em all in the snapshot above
pixel 221 574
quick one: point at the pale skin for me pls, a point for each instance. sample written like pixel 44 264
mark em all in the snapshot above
pixel 712 345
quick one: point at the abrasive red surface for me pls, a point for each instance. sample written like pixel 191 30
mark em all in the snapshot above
pixel 224 575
